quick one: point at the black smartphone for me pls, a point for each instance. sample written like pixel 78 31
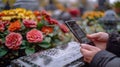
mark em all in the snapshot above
pixel 78 32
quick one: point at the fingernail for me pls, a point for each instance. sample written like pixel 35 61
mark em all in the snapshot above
pixel 82 45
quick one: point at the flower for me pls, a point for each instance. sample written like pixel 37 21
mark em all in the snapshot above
pixel 45 14
pixel 36 13
pixel 74 12
pixel 53 21
pixel 39 18
pixel 2 27
pixel 30 23
pixel 47 29
pixel 13 40
pixel 14 26
pixel 93 15
pixel 6 22
pixel 34 36
pixel 63 28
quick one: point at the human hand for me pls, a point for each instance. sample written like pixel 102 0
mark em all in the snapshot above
pixel 99 39
pixel 89 52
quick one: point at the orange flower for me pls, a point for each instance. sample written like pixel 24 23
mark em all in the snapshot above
pixel 47 29
pixel 14 26
pixel 36 13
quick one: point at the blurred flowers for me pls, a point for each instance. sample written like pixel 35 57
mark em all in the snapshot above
pixel 92 15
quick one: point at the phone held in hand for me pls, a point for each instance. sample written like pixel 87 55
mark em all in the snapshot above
pixel 78 32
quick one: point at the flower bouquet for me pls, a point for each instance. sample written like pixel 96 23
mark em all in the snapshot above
pixel 24 32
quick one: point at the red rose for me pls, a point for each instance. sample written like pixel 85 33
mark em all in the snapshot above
pixel 34 36
pixel 45 13
pixel 39 18
pixel 13 40
pixel 30 23
pixel 2 27
pixel 52 21
pixel 74 12
pixel 63 28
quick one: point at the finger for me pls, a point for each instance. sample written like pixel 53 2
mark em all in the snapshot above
pixel 93 36
pixel 88 47
pixel 86 59
pixel 84 51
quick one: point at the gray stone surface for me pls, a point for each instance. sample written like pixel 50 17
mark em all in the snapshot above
pixel 28 4
pixel 68 55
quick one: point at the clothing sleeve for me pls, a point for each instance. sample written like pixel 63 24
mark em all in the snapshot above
pixel 113 44
pixel 105 59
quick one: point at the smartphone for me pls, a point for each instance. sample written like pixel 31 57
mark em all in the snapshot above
pixel 78 32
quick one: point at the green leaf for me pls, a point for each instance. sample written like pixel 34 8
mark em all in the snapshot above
pixel 29 51
pixel 56 30
pixel 40 25
pixel 6 32
pixel 23 27
pixel 2 52
pixel 23 47
pixel 15 53
pixel 3 40
pixel 44 45
pixel 51 34
pixel 44 22
pixel 1 35
pixel 24 44
pixel 57 42
pixel 47 39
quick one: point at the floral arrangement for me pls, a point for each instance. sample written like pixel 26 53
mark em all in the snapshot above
pixel 92 15
pixel 27 32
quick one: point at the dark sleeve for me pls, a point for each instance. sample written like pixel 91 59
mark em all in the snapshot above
pixel 105 59
pixel 113 44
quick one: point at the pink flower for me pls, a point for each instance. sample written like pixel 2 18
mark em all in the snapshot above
pixel 63 28
pixel 6 22
pixel 13 41
pixel 34 36
pixel 2 27
pixel 30 23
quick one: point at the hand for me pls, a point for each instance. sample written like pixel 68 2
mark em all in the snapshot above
pixel 99 39
pixel 89 52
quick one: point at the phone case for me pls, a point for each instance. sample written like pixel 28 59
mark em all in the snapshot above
pixel 78 32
